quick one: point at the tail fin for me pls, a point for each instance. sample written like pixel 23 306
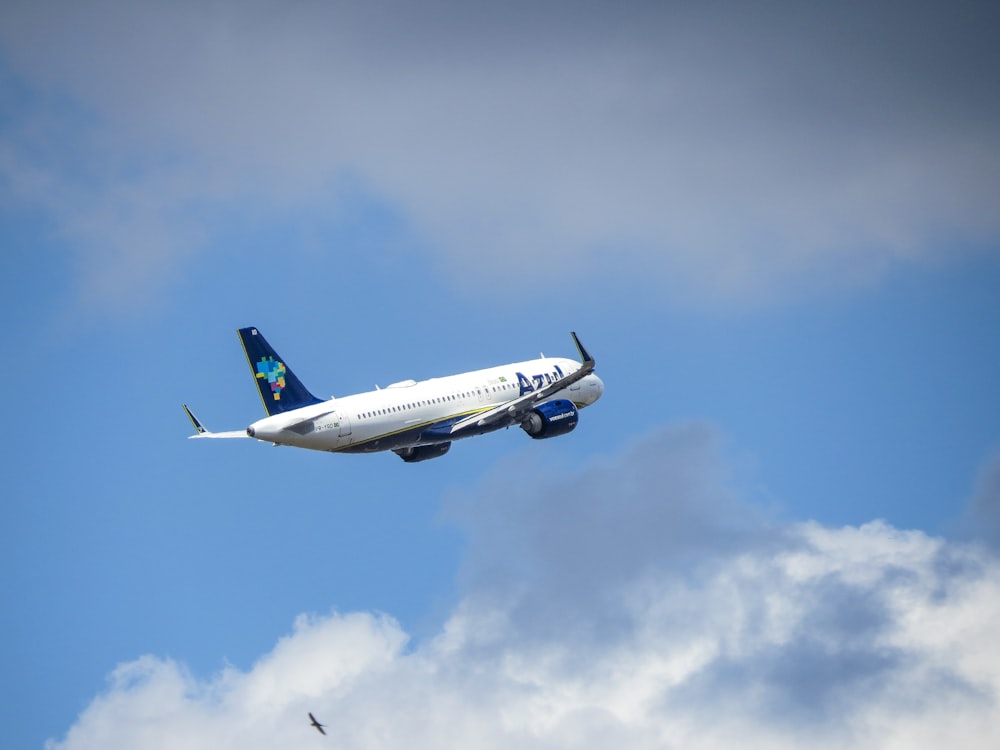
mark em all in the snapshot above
pixel 279 389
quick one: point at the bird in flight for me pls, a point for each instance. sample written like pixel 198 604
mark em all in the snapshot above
pixel 319 727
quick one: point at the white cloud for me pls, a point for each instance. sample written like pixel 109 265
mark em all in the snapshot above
pixel 637 603
pixel 726 152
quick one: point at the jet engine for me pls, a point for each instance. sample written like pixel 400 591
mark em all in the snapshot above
pixel 550 419
pixel 413 454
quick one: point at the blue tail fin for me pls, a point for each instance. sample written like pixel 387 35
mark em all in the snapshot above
pixel 279 389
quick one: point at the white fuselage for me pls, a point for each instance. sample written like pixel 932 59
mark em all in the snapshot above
pixel 414 413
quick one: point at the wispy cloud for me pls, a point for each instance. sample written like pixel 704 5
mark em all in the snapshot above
pixel 727 151
pixel 639 603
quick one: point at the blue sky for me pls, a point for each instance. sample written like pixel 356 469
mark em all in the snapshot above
pixel 775 228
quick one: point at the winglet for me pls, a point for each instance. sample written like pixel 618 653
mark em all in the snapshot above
pixel 584 355
pixel 198 426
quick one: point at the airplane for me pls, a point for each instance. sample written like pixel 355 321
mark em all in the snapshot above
pixel 313 722
pixel 417 421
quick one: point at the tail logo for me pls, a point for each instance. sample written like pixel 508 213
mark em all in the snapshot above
pixel 275 374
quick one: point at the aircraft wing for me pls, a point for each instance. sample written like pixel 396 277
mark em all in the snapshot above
pixel 512 411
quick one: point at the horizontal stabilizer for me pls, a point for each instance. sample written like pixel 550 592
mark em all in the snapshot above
pixel 201 432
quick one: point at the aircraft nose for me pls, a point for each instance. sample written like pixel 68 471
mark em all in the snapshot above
pixel 596 387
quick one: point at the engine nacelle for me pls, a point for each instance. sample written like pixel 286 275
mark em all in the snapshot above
pixel 550 419
pixel 422 452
